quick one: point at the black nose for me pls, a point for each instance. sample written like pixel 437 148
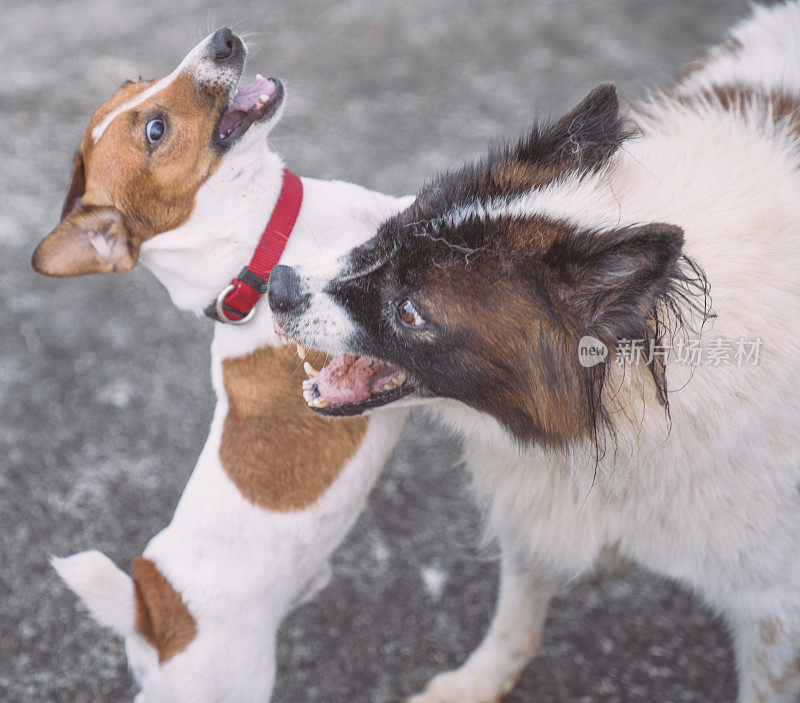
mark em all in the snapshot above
pixel 225 45
pixel 285 291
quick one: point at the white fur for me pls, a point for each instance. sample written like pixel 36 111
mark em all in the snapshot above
pixel 712 502
pixel 240 568
pixel 577 201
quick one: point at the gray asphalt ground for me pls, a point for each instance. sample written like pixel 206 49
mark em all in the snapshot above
pixel 104 386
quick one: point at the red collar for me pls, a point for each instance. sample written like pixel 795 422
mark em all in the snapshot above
pixel 236 303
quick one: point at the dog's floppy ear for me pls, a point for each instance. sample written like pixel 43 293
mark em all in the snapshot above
pixel 105 589
pixel 162 617
pixel 612 280
pixel 90 239
pixel 77 184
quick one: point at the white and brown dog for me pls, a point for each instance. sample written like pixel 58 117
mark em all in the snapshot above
pixel 506 295
pixel 177 173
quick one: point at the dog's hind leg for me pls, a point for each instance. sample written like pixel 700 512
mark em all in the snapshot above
pixel 514 636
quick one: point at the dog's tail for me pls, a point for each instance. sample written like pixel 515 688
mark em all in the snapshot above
pixel 104 588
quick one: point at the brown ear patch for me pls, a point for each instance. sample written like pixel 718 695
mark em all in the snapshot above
pixel 77 184
pixel 90 239
pixel 162 617
pixel 281 455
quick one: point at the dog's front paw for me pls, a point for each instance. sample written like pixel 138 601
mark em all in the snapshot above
pixel 465 685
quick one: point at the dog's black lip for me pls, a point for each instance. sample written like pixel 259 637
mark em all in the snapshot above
pixel 375 401
pixel 249 119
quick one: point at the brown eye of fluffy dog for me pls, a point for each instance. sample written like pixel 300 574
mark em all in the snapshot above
pixel 408 314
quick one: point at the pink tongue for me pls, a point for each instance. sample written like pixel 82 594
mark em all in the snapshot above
pixel 246 97
pixel 348 378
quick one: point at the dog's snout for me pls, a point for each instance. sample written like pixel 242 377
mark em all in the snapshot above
pixel 225 45
pixel 285 291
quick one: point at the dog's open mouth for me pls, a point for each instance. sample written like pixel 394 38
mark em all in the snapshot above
pixel 349 384
pixel 251 103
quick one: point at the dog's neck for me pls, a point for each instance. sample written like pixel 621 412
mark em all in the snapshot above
pixel 197 260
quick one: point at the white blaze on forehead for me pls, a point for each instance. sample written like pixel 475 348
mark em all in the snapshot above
pixel 578 199
pixel 145 95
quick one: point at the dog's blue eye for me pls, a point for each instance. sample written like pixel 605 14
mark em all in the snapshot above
pixel 154 130
pixel 408 314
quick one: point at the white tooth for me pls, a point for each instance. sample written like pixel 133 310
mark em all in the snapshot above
pixel 301 351
pixel 319 403
pixel 284 339
pixel 310 370
pixel 399 378
pixel 259 77
pixel 307 384
pixel 263 97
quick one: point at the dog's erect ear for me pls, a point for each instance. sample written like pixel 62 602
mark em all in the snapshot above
pixel 162 617
pixel 586 137
pixel 89 240
pixel 77 185
pixel 611 280
pixel 105 589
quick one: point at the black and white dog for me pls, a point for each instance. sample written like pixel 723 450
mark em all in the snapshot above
pixel 552 303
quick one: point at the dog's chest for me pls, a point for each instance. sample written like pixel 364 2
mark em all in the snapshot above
pixel 279 454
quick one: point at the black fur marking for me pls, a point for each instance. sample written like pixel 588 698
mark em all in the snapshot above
pixel 582 140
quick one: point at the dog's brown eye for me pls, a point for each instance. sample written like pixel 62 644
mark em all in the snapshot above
pixel 154 130
pixel 408 314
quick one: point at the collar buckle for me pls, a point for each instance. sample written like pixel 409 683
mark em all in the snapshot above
pixel 222 317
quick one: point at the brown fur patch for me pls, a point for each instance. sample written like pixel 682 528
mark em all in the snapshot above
pixel 741 98
pixel 280 454
pixel 730 46
pixel 782 105
pixel 769 630
pixel 162 617
pixel 528 331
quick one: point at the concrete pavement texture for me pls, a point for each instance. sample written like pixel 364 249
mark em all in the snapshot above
pixel 104 385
